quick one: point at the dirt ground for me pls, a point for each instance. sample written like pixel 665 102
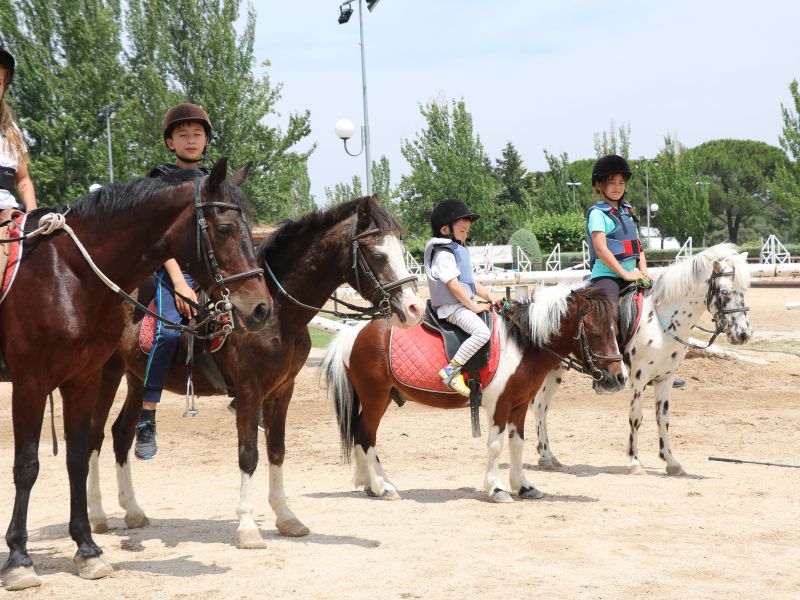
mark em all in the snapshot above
pixel 725 530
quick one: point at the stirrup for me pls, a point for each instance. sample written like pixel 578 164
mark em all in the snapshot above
pixel 191 407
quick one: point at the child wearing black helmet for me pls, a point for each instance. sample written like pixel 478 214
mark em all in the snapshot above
pixel 13 152
pixel 452 287
pixel 187 133
pixel 615 252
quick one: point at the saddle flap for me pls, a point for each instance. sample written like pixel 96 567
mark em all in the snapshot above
pixel 630 313
pixel 453 337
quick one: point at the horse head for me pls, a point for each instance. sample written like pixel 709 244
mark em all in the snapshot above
pixel 596 340
pixel 727 285
pixel 379 270
pixel 225 256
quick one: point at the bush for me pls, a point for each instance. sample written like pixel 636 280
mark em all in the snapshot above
pixel 526 240
pixel 568 229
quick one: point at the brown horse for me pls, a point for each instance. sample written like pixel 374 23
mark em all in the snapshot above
pixel 60 322
pixel 308 258
pixel 534 337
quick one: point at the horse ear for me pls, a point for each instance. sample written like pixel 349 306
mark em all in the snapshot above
pixel 241 175
pixel 716 267
pixel 218 173
pixel 364 214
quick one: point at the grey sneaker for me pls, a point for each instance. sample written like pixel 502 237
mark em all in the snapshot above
pixel 146 447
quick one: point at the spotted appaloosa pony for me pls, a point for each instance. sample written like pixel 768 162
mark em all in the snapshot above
pixel 310 257
pixel 559 321
pixel 715 280
pixel 60 322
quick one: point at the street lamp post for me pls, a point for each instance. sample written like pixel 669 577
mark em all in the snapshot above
pixel 654 208
pixel 105 115
pixel 573 185
pixel 345 11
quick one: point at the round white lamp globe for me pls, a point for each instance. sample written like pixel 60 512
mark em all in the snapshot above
pixel 345 129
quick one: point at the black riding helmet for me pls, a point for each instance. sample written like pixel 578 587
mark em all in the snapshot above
pixel 7 62
pixel 449 211
pixel 609 165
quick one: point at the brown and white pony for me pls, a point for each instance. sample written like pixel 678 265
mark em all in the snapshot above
pixel 559 322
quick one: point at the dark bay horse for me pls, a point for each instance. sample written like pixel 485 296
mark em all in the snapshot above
pixel 559 322
pixel 60 323
pixel 310 258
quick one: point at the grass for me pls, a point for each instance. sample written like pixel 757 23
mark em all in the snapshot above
pixel 319 339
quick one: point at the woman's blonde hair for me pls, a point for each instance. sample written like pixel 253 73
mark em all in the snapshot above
pixel 12 133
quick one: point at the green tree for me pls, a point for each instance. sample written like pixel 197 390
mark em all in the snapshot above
pixel 741 174
pixel 513 200
pixel 683 201
pixel 786 187
pixel 613 141
pixel 343 192
pixel 447 159
pixel 552 193
pixel 526 240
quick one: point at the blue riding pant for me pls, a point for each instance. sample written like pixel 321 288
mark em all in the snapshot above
pixel 165 343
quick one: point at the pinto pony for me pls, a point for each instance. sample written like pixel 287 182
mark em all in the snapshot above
pixel 306 260
pixel 534 337
pixel 715 280
pixel 60 322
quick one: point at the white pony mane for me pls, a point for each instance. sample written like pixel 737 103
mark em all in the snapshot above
pixel 547 309
pixel 684 278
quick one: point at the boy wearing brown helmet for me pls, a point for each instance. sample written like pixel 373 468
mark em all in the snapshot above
pixel 187 133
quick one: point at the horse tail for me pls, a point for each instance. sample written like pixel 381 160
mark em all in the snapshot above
pixel 340 389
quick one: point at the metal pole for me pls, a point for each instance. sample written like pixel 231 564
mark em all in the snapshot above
pixel 574 204
pixel 647 197
pixel 110 158
pixel 364 86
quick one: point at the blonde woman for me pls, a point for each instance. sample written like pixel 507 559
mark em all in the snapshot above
pixel 13 152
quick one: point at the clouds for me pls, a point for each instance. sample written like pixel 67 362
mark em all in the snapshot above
pixel 543 75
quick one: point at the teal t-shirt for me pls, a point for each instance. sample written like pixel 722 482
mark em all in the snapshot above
pixel 600 221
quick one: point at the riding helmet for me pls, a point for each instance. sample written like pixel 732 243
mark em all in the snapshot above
pixel 609 165
pixel 449 211
pixel 185 113
pixel 7 62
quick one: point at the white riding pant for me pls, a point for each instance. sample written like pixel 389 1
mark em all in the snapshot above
pixel 472 324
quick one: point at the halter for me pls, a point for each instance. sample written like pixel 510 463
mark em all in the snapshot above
pixel 381 309
pixel 712 295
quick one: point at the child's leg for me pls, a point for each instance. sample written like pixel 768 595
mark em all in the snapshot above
pixel 471 323
pixel 165 344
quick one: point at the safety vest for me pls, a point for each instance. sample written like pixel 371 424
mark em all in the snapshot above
pixel 623 241
pixel 440 293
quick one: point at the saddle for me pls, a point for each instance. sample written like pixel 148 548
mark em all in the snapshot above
pixel 10 252
pixel 454 337
pixel 200 352
pixel 630 313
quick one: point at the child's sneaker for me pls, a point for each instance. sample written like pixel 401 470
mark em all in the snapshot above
pixel 452 378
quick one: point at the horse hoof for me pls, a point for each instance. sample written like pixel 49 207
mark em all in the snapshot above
pixel 250 539
pixel 368 491
pixel 549 464
pixel 292 528
pixel 530 493
pixel 99 525
pixel 390 494
pixel 636 470
pixel 675 470
pixel 20 578
pixel 92 568
pixel 500 497
pixel 136 520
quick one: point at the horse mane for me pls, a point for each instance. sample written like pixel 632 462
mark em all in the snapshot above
pixel 317 220
pixel 684 278
pixel 116 197
pixel 540 318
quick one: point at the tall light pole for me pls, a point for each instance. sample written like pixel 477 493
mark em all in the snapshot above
pixel 345 12
pixel 647 193
pixel 573 185
pixel 105 115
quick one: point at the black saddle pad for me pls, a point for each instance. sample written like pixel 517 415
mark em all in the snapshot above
pixel 455 336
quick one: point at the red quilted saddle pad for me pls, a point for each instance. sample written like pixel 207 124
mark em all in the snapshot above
pixel 147 333
pixel 416 355
pixel 14 251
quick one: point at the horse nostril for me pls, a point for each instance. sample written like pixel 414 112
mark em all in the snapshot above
pixel 415 311
pixel 620 378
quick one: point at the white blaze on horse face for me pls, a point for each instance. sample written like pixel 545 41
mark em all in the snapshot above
pixel 413 306
pixel 732 290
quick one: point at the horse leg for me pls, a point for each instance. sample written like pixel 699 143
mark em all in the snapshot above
pixel 112 375
pixel 663 389
pixel 541 404
pixel 285 520
pixel 635 421
pixel 79 399
pixel 123 431
pixel 248 404
pixel 28 412
pixel 366 435
pixel 494 444
pixel 516 442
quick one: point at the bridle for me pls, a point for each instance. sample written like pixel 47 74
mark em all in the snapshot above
pixel 713 296
pixel 380 297
pixel 587 365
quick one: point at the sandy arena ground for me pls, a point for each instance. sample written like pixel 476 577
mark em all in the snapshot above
pixel 725 530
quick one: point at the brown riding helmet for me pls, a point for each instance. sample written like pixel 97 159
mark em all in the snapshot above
pixel 185 113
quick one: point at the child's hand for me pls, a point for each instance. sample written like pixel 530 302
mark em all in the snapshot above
pixel 479 307
pixel 184 308
pixel 634 275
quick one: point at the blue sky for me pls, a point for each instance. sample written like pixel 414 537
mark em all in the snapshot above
pixel 543 75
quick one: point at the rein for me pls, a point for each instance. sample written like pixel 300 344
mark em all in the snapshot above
pixel 381 309
pixel 712 295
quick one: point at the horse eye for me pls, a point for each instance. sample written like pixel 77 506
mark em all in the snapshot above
pixel 225 229
pixel 379 258
pixel 725 293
